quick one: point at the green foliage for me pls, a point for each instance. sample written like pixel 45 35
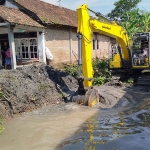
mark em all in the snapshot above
pixel 100 68
pixel 121 8
pixel 101 72
pixel 1 93
pixel 72 70
pixel 136 21
pixel 1 125
pixel 130 81
pixel 131 18
pixel 99 80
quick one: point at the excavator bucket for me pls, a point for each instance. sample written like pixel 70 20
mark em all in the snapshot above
pixel 91 98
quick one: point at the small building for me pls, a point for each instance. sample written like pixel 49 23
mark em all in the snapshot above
pixel 34 24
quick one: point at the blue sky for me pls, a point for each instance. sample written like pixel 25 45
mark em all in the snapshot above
pixel 103 6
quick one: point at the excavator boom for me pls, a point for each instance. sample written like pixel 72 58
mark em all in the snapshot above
pixel 86 26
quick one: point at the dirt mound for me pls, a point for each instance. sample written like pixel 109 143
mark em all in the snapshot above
pixel 31 87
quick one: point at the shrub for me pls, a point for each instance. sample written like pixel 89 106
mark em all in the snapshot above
pixel 101 71
pixel 72 70
pixel 99 80
pixel 130 81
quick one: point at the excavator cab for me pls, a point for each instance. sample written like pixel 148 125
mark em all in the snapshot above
pixel 140 51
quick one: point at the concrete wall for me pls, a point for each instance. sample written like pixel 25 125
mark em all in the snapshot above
pixel 63 44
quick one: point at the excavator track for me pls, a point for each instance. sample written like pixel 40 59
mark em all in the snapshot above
pixel 144 78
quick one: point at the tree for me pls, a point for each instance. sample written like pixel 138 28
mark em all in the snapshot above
pixel 121 8
pixel 136 21
pixel 130 17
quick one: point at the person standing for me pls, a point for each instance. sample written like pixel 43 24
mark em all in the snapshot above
pixel 3 52
pixel 8 59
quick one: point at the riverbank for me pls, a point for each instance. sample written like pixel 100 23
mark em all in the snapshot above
pixel 32 87
pixel 35 96
pixel 71 126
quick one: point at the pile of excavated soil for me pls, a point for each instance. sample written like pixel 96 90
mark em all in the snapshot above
pixel 28 88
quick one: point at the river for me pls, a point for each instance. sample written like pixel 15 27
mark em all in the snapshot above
pixel 74 127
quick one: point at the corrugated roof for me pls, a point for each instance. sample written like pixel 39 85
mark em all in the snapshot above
pixel 17 17
pixel 49 13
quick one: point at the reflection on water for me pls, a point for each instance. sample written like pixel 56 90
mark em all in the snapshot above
pixel 108 130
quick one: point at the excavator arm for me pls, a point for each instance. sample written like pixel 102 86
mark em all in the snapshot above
pixel 86 26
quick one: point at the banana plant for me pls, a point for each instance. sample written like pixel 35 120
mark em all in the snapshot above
pixel 136 21
pixel 145 21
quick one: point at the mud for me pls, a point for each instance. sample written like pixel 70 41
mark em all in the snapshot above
pixel 121 121
pixel 70 126
pixel 29 88
pixel 113 129
pixel 35 86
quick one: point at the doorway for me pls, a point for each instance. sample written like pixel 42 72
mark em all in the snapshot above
pixel 4 45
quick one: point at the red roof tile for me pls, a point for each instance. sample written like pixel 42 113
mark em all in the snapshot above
pixel 49 13
pixel 17 17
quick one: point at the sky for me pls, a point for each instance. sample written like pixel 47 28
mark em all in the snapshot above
pixel 102 6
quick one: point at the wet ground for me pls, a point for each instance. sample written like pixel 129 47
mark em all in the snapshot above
pixel 73 127
pixel 113 129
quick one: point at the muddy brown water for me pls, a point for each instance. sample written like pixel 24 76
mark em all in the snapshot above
pixel 74 127
pixel 44 129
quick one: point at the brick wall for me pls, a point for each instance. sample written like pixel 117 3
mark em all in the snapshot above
pixel 58 42
pixel 102 46
pixel 63 44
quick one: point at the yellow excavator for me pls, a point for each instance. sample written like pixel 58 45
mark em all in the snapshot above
pixel 129 55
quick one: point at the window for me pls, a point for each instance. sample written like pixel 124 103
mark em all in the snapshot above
pixel 33 48
pixel 97 44
pixel 93 44
pixel 26 48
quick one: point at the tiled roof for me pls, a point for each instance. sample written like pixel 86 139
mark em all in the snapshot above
pixel 17 17
pixel 48 13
